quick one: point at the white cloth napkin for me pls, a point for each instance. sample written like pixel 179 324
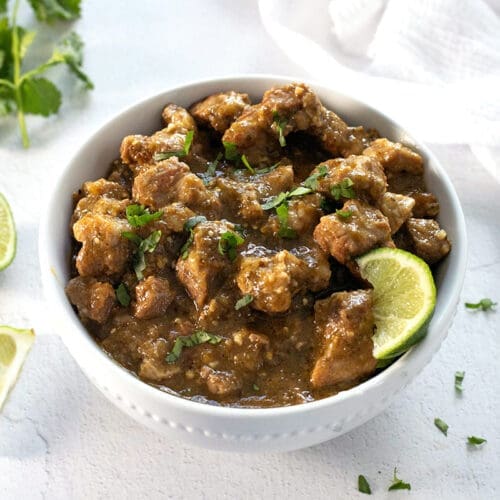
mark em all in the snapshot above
pixel 433 65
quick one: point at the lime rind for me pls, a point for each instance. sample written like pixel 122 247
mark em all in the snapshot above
pixel 7 234
pixel 404 299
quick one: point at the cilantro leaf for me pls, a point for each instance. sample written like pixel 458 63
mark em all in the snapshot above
pixel 228 242
pixel 148 244
pixel 247 165
pixel 441 425
pixel 189 226
pixel 40 97
pixel 196 338
pixel 274 201
pixel 398 484
pixel 280 124
pixel 475 441
pixel 299 191
pixel 312 181
pixel 122 295
pixel 459 377
pixel 244 301
pixel 138 215
pixel 343 213
pixel 188 140
pixel 363 485
pixel 212 166
pixel 343 189
pixel 483 304
pixel 231 151
pixel 284 231
pixel 52 10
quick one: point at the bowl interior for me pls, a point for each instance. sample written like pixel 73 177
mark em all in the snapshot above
pixel 93 159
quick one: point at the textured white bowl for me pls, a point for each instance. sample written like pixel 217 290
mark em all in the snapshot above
pixel 235 429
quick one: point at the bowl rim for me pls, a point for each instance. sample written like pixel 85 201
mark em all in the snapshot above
pixel 411 359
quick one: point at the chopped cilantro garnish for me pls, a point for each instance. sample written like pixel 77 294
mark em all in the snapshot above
pixel 343 189
pixel 138 215
pixel 483 304
pixel 343 213
pixel 299 191
pixel 284 231
pixel 180 152
pixel 244 301
pixel 459 378
pixel 255 387
pixel 196 338
pixel 363 485
pixel 122 295
pixel 266 170
pixel 398 484
pixel 231 151
pixel 286 195
pixel 244 160
pixel 441 425
pixel 280 124
pixel 143 245
pixel 312 181
pixel 212 166
pixel 228 243
pixel 475 441
pixel 189 226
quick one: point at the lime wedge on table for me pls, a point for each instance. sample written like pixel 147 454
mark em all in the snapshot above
pixel 404 296
pixel 7 234
pixel 14 347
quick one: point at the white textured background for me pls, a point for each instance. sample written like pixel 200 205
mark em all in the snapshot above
pixel 60 439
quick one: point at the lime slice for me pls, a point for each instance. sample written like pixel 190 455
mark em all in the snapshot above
pixel 7 234
pixel 14 347
pixel 404 297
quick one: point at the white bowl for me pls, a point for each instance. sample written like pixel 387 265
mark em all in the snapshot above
pixel 223 428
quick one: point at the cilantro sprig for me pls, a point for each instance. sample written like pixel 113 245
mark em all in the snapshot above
pixel 228 243
pixel 180 153
pixel 196 338
pixel 483 305
pixel 28 92
pixel 312 181
pixel 243 302
pixel 231 153
pixel 189 226
pixel 344 189
pixel 148 244
pixel 398 484
pixel 138 215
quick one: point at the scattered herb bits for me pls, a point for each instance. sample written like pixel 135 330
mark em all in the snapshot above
pixel 180 153
pixel 459 378
pixel 122 295
pixel 441 425
pixel 280 123
pixel 245 162
pixel 228 243
pixel 138 215
pixel 231 151
pixel 148 244
pixel 312 181
pixel 363 485
pixel 475 441
pixel 343 189
pixel 345 214
pixel 483 305
pixel 196 338
pixel 189 226
pixel 243 302
pixel 398 484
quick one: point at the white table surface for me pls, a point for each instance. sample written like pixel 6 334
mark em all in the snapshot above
pixel 60 439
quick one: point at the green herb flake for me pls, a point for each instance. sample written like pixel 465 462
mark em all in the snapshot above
pixel 212 166
pixel 483 304
pixel 398 484
pixel 231 151
pixel 284 231
pixel 299 191
pixel 189 225
pixel 343 213
pixel 244 160
pixel 280 124
pixel 148 244
pixel 363 485
pixel 459 378
pixel 243 302
pixel 441 425
pixel 312 181
pixel 266 170
pixel 228 242
pixel 122 295
pixel 343 189
pixel 138 215
pixel 196 338
pixel 475 441
pixel 180 153
pixel 274 201
pixel 255 387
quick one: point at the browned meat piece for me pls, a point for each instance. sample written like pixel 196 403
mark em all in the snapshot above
pixel 220 110
pixel 242 198
pixel 103 187
pixel 221 383
pixel 366 174
pixel 249 349
pixel 153 296
pixel 278 180
pixel 121 174
pixel 304 213
pixel 175 216
pixel 395 157
pixel 430 242
pixel 256 132
pixel 344 329
pixel 204 268
pixel 347 237
pixel 274 280
pixel 426 205
pixel 171 181
pixel 140 149
pixel 93 299
pixel 397 208
pixel 153 366
pixel 105 250
pixel 99 205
